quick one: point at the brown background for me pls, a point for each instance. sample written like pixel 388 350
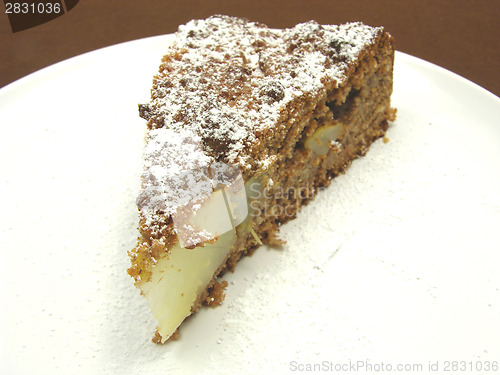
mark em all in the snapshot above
pixel 460 35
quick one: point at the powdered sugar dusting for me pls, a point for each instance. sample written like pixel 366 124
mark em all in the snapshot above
pixel 226 87
pixel 175 171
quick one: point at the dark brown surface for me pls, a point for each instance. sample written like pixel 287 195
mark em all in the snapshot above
pixel 460 35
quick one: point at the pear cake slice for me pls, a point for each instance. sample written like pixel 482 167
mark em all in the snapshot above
pixel 245 125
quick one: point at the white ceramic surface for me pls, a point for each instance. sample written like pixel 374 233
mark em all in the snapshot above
pixel 396 263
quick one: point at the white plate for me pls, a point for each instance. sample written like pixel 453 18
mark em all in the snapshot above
pixel 397 262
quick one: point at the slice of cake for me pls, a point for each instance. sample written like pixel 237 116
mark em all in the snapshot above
pixel 246 123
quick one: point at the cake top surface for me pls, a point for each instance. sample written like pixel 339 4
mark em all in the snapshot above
pixel 223 93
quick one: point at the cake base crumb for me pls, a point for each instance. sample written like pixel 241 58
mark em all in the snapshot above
pixel 157 337
pixel 393 114
pixel 216 294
